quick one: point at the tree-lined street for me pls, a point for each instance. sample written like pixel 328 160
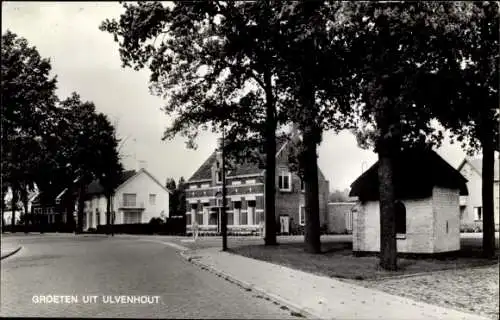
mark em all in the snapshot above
pixel 98 265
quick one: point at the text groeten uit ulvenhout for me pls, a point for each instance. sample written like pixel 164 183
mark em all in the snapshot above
pixel 106 299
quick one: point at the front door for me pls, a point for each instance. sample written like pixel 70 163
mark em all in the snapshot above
pixel 284 224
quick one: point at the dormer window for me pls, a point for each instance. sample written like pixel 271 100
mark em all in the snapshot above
pixel 284 181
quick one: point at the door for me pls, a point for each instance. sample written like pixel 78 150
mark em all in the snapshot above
pixel 284 224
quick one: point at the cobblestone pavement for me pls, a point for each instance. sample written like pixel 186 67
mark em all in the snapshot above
pixel 473 290
pixel 100 265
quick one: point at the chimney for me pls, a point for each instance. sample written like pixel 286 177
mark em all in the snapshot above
pixel 141 164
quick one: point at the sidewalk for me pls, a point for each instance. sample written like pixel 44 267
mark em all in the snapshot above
pixel 314 296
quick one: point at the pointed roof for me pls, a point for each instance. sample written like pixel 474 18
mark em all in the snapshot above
pixel 204 172
pixel 416 172
pixel 477 165
pixel 95 187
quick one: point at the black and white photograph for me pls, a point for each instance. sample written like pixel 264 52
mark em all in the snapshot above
pixel 264 159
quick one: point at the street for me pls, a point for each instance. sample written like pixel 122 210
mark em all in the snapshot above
pixel 110 267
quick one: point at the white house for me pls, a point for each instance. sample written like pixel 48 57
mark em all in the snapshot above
pixel 427 207
pixel 471 207
pixel 138 199
pixel 7 214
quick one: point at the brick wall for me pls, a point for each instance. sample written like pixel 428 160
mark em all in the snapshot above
pixel 336 218
pixel 288 203
pixel 419 227
pixel 446 212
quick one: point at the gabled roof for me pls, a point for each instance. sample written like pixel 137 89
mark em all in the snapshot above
pixel 135 174
pixel 95 187
pixel 477 165
pixel 416 172
pixel 204 172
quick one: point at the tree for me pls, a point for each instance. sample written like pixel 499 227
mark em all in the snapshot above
pixel 28 95
pixel 109 168
pixel 84 148
pixel 174 196
pixel 210 55
pixel 181 192
pixel 394 47
pixel 466 84
pixel 339 196
pixel 312 73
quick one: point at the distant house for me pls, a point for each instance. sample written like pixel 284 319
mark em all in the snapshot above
pixel 471 207
pixel 245 196
pixel 340 216
pixel 427 208
pixel 138 199
pixel 7 212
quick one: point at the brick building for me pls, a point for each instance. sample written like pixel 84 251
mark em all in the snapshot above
pixel 245 196
pixel 427 206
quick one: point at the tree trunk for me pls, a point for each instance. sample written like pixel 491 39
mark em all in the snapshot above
pixel 4 191
pixel 81 204
pixel 13 205
pixel 108 213
pixel 388 243
pixel 270 176
pixel 25 205
pixel 312 229
pixel 487 197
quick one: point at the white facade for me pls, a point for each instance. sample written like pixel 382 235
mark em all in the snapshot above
pixel 432 224
pixel 137 200
pixel 473 203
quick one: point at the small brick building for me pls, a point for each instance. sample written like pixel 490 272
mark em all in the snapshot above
pixel 427 207
pixel 245 196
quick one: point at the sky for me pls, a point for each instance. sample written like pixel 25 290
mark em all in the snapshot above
pixel 86 60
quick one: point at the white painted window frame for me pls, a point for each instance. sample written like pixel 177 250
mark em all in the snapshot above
pixel 300 215
pixel 152 196
pixel 283 174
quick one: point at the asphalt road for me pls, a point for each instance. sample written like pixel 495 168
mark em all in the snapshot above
pixel 81 266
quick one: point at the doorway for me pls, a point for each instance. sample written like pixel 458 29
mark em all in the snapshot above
pixel 284 224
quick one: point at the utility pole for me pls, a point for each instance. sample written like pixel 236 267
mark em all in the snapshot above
pixel 224 193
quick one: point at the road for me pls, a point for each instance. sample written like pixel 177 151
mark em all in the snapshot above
pixel 96 265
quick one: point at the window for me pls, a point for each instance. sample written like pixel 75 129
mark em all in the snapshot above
pixel 98 217
pixel 237 212
pixel 205 185
pixel 188 219
pixel 252 219
pixel 478 213
pixel 152 199
pixel 250 181
pixel 205 213
pixel 213 219
pixel 129 199
pixel 236 182
pixel 244 218
pixel 199 218
pixel 237 205
pixel 218 177
pixel 132 217
pixel 302 215
pixel 400 212
pixel 193 186
pixel 284 181
pixel 230 218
